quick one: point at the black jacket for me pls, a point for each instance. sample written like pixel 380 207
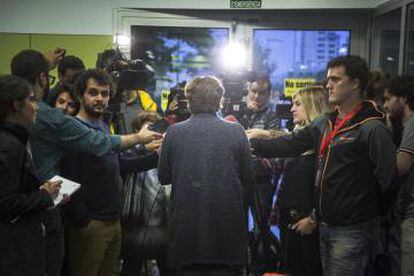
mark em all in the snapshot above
pixel 297 190
pixel 263 119
pixel 21 202
pixel 357 169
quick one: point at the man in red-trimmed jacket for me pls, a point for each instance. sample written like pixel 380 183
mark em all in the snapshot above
pixel 355 169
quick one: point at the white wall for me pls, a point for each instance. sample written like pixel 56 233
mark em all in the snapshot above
pixel 95 16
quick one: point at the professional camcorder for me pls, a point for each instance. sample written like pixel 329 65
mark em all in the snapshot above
pixel 130 74
pixel 181 112
pixel 174 113
pixel 235 85
pixel 127 74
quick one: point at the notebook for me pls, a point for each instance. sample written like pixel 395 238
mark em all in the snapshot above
pixel 67 187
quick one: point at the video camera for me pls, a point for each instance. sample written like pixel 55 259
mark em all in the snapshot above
pixel 235 85
pixel 174 114
pixel 181 112
pixel 127 74
pixel 131 74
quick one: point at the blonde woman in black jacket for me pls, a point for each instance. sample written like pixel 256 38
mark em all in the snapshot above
pixel 296 198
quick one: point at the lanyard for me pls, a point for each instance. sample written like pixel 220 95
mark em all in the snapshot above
pixel 326 140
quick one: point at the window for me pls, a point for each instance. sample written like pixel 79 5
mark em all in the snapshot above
pixel 178 53
pixel 386 38
pixel 409 56
pixel 294 54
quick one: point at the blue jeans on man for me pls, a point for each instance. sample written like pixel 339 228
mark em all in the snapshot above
pixel 407 246
pixel 345 250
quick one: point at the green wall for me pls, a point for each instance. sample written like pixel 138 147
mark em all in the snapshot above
pixel 85 47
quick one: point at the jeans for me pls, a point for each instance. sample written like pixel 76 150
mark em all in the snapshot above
pixel 407 247
pixel 345 250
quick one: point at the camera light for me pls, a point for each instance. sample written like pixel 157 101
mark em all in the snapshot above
pixel 234 56
pixel 123 40
pixel 343 50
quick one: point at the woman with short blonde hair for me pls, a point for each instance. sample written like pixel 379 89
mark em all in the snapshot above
pixel 295 200
pixel 315 101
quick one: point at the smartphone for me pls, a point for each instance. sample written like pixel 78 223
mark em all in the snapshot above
pixel 160 126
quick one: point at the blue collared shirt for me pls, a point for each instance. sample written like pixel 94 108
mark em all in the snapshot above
pixel 55 134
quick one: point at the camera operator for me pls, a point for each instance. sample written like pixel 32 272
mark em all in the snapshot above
pixel 259 116
pixel 258 113
pixel 131 78
pixel 177 110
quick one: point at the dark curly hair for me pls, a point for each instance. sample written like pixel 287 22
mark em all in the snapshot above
pixel 61 88
pixel 100 76
pixel 403 86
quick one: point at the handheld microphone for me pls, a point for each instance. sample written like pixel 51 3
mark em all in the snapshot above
pixel 231 119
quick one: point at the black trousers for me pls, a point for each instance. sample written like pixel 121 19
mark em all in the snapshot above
pixel 55 241
pixel 300 254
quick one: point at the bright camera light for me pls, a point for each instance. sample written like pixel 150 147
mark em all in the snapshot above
pixel 123 40
pixel 234 56
pixel 343 50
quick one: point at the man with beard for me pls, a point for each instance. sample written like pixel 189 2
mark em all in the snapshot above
pixel 399 104
pixel 94 229
pixel 55 134
pixel 356 161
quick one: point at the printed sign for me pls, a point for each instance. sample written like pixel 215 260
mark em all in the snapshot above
pixel 164 99
pixel 293 85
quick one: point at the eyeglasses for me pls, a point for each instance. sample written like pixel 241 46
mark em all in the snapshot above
pixel 51 79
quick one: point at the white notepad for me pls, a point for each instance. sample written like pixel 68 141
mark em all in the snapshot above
pixel 67 187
